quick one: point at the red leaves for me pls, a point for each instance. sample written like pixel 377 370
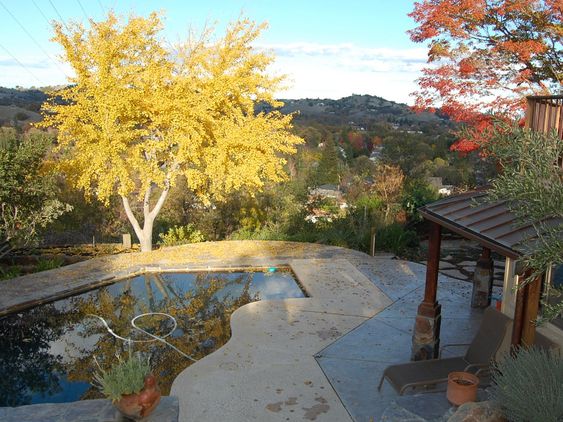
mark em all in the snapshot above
pixel 489 55
pixel 467 66
pixel 357 141
pixel 524 49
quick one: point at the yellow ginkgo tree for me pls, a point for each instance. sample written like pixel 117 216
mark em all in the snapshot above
pixel 139 113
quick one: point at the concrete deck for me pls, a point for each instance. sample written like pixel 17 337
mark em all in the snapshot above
pixel 317 358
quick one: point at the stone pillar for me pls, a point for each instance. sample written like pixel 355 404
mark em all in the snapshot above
pixel 426 334
pixel 483 280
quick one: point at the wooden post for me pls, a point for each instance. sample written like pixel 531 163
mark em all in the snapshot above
pixel 426 334
pixel 523 313
pixel 372 241
pixel 483 280
pixel 518 318
pixel 433 264
pixel 531 307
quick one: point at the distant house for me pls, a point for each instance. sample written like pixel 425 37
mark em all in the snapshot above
pixel 325 203
pixel 327 191
pixel 376 153
pixel 442 189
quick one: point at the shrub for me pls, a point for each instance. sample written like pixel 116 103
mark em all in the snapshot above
pixel 369 205
pixel 10 272
pixel 395 238
pixel 180 235
pixel 49 264
pixel 529 386
pixel 266 232
pixel 416 194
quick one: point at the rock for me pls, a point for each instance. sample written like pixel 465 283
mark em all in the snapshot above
pixel 484 411
pixel 446 265
pixel 208 343
pixel 396 413
pixel 468 264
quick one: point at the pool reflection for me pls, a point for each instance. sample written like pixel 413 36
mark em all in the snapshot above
pixel 46 353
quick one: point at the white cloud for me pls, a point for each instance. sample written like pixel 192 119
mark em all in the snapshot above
pixel 314 70
pixel 337 70
pixel 32 71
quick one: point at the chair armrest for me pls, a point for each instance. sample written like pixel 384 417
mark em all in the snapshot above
pixel 477 368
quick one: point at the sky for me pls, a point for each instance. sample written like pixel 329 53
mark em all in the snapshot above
pixel 327 48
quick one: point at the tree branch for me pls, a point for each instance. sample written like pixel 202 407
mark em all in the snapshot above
pixel 132 218
pixel 147 201
pixel 160 202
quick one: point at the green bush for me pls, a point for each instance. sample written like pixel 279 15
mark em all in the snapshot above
pixel 49 264
pixel 395 238
pixel 267 232
pixel 10 272
pixel 529 386
pixel 416 194
pixel 180 235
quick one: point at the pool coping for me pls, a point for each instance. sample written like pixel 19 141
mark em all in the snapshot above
pixel 23 292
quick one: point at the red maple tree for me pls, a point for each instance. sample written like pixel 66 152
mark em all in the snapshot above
pixel 485 56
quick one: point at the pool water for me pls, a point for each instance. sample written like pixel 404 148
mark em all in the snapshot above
pixel 47 353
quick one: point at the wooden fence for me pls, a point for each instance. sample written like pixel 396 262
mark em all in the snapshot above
pixel 545 113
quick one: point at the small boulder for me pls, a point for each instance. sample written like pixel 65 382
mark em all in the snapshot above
pixel 483 411
pixel 396 413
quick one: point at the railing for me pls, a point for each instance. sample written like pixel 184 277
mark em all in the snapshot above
pixel 545 113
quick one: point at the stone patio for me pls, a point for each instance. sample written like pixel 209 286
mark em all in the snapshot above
pixel 317 358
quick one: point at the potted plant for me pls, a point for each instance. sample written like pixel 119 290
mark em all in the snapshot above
pixel 130 385
pixel 462 387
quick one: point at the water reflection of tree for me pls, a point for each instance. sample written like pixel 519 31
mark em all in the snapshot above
pixel 27 366
pixel 203 315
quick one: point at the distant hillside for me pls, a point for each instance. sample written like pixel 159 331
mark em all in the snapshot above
pixel 358 110
pixel 11 113
pixel 29 99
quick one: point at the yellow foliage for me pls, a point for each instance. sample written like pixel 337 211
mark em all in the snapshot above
pixel 139 114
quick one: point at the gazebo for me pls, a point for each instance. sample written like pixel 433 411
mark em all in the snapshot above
pixel 495 228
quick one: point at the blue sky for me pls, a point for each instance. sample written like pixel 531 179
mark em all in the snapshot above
pixel 328 49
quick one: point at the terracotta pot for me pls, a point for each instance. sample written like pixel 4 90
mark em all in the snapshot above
pixel 462 387
pixel 138 406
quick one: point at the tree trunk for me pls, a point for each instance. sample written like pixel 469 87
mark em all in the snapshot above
pixel 146 240
pixel 145 234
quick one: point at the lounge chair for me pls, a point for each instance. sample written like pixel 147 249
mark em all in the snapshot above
pixel 477 360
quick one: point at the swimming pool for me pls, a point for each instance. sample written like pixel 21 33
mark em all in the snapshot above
pixel 47 353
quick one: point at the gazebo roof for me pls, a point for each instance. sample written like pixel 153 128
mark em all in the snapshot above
pixel 492 224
